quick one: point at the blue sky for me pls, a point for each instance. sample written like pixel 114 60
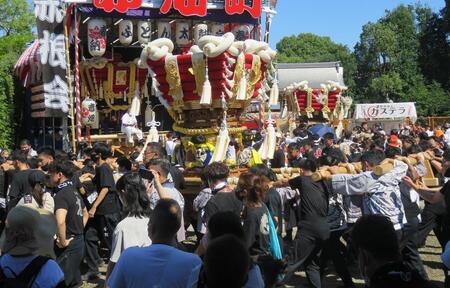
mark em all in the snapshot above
pixel 342 20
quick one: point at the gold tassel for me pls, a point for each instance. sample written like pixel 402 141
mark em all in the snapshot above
pixel 207 89
pixel 242 92
pixel 309 109
pixel 240 79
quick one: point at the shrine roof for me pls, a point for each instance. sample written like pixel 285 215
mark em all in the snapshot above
pixel 314 73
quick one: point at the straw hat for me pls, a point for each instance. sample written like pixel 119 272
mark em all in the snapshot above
pixel 29 231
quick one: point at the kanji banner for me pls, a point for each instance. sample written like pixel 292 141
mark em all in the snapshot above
pixel 185 7
pixel 386 111
pixel 53 96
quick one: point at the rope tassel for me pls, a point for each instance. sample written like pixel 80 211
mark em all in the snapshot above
pixel 242 87
pixel 136 102
pixel 242 92
pixel 207 89
pixel 274 94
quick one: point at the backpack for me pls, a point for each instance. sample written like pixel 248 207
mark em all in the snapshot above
pixel 26 278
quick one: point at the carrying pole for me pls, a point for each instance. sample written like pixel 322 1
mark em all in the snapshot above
pixel 69 82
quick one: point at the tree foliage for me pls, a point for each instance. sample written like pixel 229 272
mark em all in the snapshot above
pixel 404 56
pixel 308 47
pixel 16 22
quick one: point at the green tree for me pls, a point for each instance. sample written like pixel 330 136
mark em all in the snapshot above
pixel 390 60
pixel 308 47
pixel 434 53
pixel 16 22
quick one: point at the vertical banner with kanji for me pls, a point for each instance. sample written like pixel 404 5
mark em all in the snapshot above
pixel 52 59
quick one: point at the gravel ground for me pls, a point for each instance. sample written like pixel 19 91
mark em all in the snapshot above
pixel 430 256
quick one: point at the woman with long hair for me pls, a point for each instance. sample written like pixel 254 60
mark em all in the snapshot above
pixel 39 197
pixel 257 225
pixel 132 231
pixel 254 188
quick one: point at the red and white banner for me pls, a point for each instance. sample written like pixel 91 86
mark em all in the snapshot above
pixel 184 7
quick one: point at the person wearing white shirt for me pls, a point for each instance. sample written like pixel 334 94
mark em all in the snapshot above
pixel 129 127
pixel 25 146
pixel 170 145
pixel 447 134
pixel 429 131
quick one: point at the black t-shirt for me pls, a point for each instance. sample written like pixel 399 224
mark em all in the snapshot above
pixel 3 179
pixel 104 179
pixel 313 204
pixel 68 198
pixel 446 192
pixel 310 156
pixel 273 202
pixel 20 186
pixel 9 175
pixel 177 177
pixel 278 160
pixel 221 202
pixel 295 163
pixel 327 151
pixel 256 229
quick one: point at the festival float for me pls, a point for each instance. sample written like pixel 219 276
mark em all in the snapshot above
pixel 314 93
pixel 193 67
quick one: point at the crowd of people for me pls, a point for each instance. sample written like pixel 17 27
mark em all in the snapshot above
pixel 63 214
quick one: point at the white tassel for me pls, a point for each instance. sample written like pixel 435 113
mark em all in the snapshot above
pixel 267 149
pixel 136 102
pixel 284 112
pixel 150 121
pixel 339 129
pixel 274 94
pixel 148 113
pixel 153 135
pixel 222 142
pixel 271 141
pixel 207 89
pixel 263 149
